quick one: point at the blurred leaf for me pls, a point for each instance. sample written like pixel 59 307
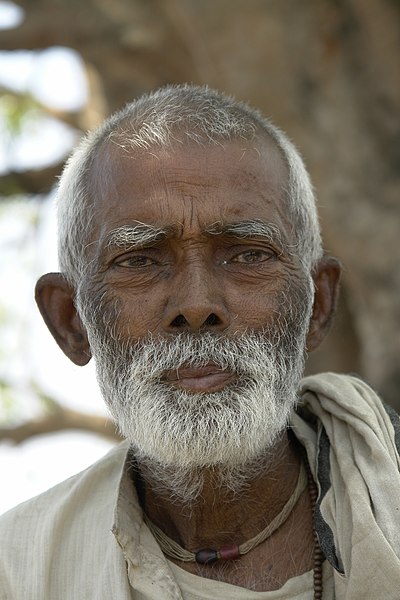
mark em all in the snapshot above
pixel 48 403
pixel 15 109
pixel 6 401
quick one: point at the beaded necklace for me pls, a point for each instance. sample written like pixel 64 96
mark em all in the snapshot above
pixel 208 556
pixel 318 554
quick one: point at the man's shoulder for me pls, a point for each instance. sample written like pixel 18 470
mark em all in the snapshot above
pixel 92 486
pixel 57 544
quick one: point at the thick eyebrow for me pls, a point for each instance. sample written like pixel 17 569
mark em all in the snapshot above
pixel 135 236
pixel 251 228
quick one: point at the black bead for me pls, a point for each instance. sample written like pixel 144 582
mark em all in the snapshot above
pixel 207 556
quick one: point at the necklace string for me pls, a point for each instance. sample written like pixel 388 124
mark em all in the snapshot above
pixel 208 555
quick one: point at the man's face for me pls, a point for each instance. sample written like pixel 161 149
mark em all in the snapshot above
pixel 192 273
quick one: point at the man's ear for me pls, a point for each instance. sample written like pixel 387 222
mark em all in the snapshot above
pixel 326 276
pixel 55 299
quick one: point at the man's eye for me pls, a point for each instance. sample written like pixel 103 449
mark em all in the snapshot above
pixel 252 256
pixel 135 261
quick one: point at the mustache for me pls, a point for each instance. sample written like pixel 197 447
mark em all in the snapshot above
pixel 244 354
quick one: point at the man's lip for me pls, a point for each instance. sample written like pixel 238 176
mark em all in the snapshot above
pixel 209 378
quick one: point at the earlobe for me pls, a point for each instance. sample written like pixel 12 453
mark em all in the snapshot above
pixel 326 277
pixel 55 299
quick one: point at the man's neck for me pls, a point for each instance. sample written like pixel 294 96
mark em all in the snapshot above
pixel 220 516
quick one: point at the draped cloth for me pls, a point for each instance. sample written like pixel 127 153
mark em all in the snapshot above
pixel 352 442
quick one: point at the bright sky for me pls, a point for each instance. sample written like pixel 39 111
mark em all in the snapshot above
pixel 11 15
pixel 27 351
pixel 53 77
pixel 29 354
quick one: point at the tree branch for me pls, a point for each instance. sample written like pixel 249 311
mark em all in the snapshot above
pixel 63 419
pixel 35 181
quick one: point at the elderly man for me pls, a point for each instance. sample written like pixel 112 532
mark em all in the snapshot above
pixel 192 271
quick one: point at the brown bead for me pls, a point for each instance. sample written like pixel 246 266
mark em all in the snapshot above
pixel 229 552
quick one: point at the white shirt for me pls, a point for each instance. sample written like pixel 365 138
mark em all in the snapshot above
pixel 85 539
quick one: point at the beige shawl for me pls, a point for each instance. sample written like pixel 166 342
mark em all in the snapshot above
pixel 352 442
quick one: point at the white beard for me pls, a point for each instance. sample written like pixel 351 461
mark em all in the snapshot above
pixel 179 428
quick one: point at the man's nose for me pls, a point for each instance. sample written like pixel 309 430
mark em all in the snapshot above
pixel 196 302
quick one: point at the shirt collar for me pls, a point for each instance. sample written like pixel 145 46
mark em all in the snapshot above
pixel 128 515
pixel 147 566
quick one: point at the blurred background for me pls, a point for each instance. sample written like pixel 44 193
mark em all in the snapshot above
pixel 326 71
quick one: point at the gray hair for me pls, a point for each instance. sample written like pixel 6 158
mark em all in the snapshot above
pixel 200 115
